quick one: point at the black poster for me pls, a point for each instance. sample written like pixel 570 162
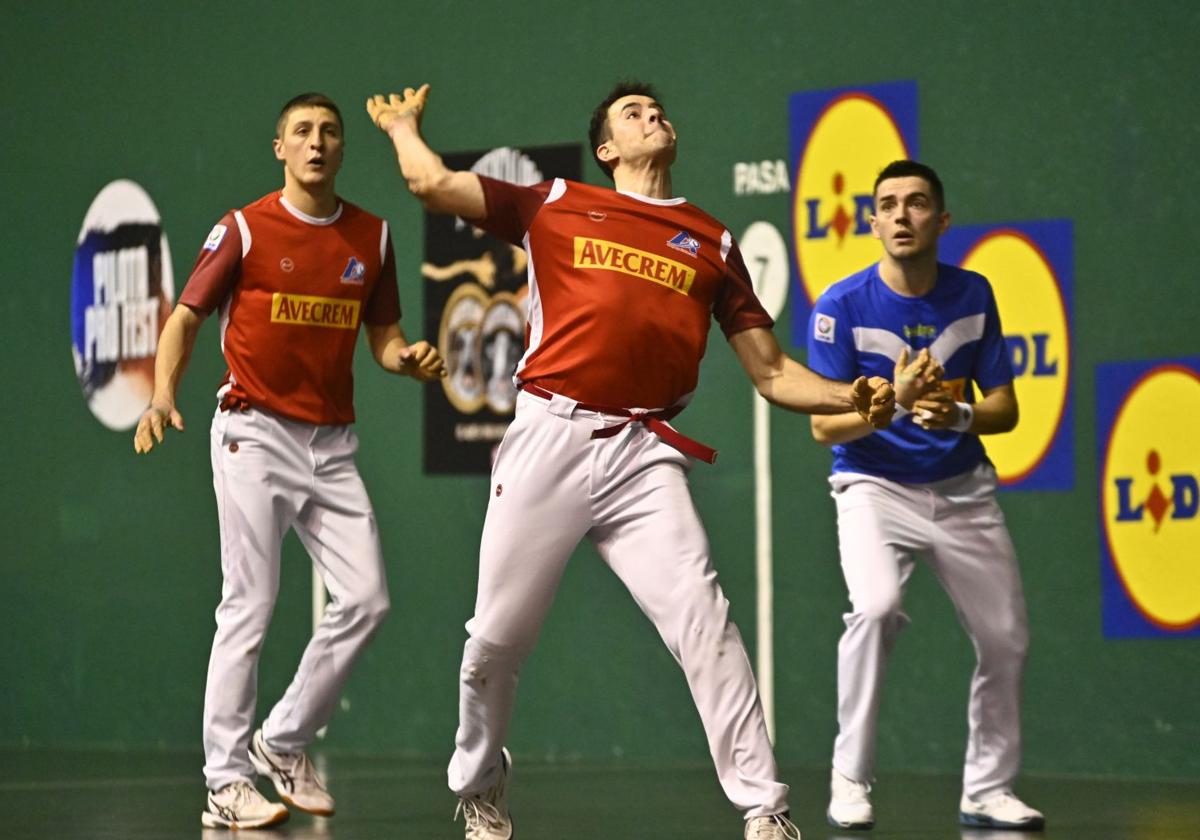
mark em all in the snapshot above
pixel 475 306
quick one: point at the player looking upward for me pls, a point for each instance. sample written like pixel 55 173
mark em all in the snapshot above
pixel 922 487
pixel 294 274
pixel 622 287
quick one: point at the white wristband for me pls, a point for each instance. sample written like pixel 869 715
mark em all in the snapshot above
pixel 900 412
pixel 966 414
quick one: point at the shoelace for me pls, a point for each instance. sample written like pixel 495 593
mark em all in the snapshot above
pixel 243 794
pixel 856 791
pixel 478 814
pixel 777 827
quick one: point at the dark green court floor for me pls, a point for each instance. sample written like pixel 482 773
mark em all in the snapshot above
pixel 144 795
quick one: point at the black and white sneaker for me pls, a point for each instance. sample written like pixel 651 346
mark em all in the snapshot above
pixel 240 805
pixel 294 776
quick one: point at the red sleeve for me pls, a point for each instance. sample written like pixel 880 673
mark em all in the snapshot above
pixel 383 307
pixel 737 307
pixel 510 209
pixel 217 268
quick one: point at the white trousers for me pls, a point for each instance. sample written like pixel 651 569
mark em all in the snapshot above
pixel 271 474
pixel 957 527
pixel 551 487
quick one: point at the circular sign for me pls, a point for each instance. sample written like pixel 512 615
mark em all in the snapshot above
pixel 122 290
pixel 765 254
pixel 1150 496
pixel 853 139
pixel 1034 318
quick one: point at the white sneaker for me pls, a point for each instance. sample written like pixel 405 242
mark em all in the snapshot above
pixel 999 810
pixel 774 827
pixel 294 776
pixel 849 803
pixel 240 805
pixel 486 814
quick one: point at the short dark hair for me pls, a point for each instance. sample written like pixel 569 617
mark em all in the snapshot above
pixel 307 100
pixel 598 131
pixel 910 169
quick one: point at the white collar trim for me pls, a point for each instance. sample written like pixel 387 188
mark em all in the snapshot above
pixel 662 202
pixel 312 220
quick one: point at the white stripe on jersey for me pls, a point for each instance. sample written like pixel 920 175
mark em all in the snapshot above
pixel 557 190
pixel 874 340
pixel 887 343
pixel 383 243
pixel 958 333
pixel 726 244
pixel 244 230
pixel 533 306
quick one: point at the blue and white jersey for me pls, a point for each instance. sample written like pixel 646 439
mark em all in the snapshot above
pixel 860 326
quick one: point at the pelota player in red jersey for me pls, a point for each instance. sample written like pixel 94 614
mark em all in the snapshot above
pixel 622 286
pixel 293 275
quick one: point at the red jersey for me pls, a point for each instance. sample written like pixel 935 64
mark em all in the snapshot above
pixel 292 290
pixel 621 289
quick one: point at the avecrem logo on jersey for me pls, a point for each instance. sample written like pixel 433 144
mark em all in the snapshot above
pixel 840 140
pixel 1149 452
pixel 1030 267
pixel 314 311
pixel 613 256
pixel 122 290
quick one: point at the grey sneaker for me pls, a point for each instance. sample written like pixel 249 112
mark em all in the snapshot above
pixel 294 776
pixel 486 814
pixel 774 827
pixel 999 810
pixel 240 805
pixel 849 803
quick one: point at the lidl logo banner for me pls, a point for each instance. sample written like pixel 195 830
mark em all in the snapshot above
pixel 1031 269
pixel 1149 466
pixel 840 140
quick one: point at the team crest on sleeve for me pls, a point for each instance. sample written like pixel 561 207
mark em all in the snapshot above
pixel 684 241
pixel 823 327
pixel 354 272
pixel 215 237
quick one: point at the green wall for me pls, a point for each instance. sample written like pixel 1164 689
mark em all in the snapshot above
pixel 1080 110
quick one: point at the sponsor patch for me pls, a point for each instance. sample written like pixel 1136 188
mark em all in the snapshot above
pixel 215 238
pixel 824 327
pixel 354 272
pixel 613 256
pixel 684 241
pixel 314 311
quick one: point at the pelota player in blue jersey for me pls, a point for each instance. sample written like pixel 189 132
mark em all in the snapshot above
pixel 922 488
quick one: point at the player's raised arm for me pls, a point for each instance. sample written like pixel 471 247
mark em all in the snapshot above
pixel 785 382
pixel 174 349
pixel 438 188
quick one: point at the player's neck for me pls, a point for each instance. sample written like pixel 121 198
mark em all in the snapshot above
pixel 649 180
pixel 911 278
pixel 319 201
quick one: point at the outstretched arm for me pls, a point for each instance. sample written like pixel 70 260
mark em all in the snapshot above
pixel 785 382
pixel 174 350
pixel 394 354
pixel 439 189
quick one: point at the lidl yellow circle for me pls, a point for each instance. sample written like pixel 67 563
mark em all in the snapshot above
pixel 850 143
pixel 1034 318
pixel 1154 451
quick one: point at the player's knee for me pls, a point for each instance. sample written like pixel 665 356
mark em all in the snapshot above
pixel 1004 645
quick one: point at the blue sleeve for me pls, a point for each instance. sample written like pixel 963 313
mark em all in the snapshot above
pixel 831 350
pixel 992 366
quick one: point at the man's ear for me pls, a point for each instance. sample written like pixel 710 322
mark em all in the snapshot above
pixel 605 152
pixel 277 145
